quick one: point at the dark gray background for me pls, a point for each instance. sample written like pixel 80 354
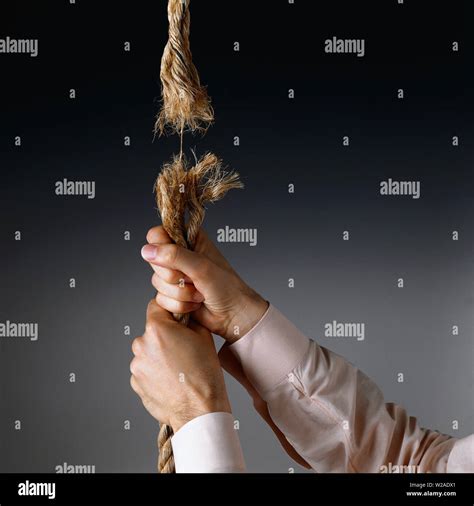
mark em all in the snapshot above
pixel 300 236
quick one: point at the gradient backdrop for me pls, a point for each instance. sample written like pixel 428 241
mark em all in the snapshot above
pixel 282 141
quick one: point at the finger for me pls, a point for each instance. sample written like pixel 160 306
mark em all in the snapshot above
pixel 137 346
pixel 182 293
pixel 171 276
pixel 158 235
pixel 175 306
pixel 171 256
pixel 135 386
pixel 135 367
pixel 157 313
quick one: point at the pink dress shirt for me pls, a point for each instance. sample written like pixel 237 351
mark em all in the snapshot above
pixel 332 414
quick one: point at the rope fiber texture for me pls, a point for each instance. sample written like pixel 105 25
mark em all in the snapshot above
pixel 182 190
pixel 186 104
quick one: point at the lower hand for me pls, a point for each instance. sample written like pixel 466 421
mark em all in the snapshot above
pixel 176 371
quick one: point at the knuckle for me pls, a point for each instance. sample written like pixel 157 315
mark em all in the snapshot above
pixel 150 306
pixel 134 366
pixel 180 294
pixel 150 327
pixel 158 300
pixel 136 346
pixel 152 234
pixel 187 293
pixel 171 277
pixel 136 386
pixel 161 301
pixel 171 254
pixel 181 307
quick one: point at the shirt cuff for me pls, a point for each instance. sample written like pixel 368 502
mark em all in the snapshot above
pixel 208 444
pixel 270 350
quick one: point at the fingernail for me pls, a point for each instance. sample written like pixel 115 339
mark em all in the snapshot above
pixel 198 297
pixel 149 252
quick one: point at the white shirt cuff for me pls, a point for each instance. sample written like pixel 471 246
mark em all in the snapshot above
pixel 208 444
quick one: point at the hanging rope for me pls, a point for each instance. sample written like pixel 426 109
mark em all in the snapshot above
pixel 183 190
pixel 185 102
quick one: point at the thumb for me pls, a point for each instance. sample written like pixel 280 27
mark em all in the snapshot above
pixel 172 256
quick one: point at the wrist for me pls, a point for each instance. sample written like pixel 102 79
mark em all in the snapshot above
pixel 201 408
pixel 248 313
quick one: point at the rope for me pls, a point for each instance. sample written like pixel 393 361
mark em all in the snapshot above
pixel 182 190
pixel 185 101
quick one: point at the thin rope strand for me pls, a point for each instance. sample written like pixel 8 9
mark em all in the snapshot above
pixel 181 135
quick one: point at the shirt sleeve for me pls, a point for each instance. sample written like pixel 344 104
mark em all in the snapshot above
pixel 208 444
pixel 333 415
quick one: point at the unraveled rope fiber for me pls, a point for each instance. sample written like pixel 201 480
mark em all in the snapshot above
pixel 186 104
pixel 182 191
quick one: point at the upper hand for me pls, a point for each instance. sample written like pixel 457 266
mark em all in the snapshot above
pixel 204 283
